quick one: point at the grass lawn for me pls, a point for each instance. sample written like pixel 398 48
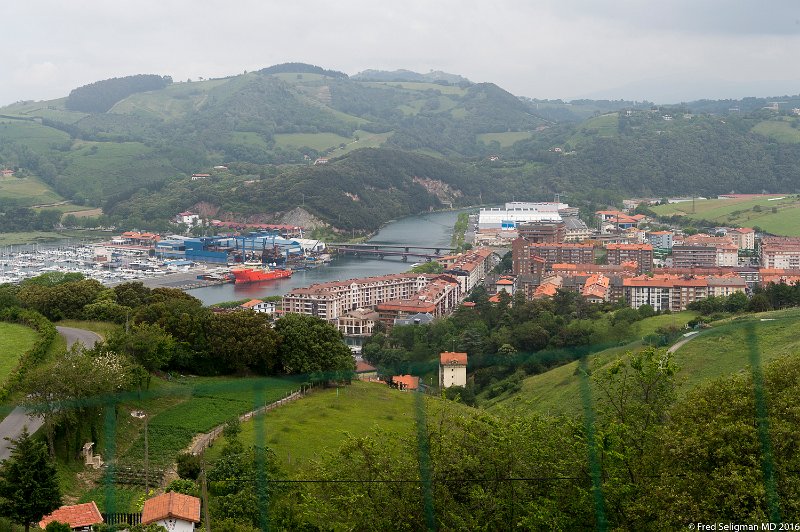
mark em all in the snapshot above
pixel 14 341
pixel 505 139
pixel 306 429
pixel 785 221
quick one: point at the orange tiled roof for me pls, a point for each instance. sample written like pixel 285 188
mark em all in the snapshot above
pixel 252 303
pixel 450 358
pixel 76 516
pixel 171 505
pixel 409 381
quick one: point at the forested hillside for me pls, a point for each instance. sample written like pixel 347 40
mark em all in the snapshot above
pixel 130 145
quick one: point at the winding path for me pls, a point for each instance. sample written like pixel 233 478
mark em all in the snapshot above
pixel 11 427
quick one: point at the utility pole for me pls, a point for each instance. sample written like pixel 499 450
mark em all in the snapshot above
pixel 204 493
pixel 146 457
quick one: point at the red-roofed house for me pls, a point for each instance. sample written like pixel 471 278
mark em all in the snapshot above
pixel 174 511
pixel 504 283
pixel 257 305
pixel 365 372
pixel 5 172
pixel 78 516
pixel 452 369
pixel 405 382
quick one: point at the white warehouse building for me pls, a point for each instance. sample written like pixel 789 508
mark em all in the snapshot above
pixel 518 212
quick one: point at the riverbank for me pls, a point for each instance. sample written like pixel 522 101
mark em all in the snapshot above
pixel 42 237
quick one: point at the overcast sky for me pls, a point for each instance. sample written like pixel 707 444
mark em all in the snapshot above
pixel 634 49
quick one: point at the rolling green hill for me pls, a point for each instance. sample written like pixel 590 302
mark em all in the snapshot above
pixel 270 123
pixel 720 351
pixel 778 214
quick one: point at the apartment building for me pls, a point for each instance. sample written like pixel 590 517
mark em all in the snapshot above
pixel 331 300
pixel 676 292
pixel 780 252
pixel 524 252
pixel 642 254
pixel 743 238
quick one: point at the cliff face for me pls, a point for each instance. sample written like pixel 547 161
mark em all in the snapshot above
pixel 443 192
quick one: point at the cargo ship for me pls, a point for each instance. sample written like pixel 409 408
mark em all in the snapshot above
pixel 251 273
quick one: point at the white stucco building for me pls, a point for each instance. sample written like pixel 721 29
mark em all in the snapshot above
pixel 452 369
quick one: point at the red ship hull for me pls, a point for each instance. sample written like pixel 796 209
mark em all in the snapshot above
pixel 253 275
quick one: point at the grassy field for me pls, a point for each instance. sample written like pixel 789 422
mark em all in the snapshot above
pixel 308 428
pixel 316 141
pixel 174 101
pixel 29 237
pixel 32 134
pixel 720 351
pixel 725 349
pixel 739 211
pixel 419 86
pixel 14 341
pixel 51 109
pixel 778 130
pixel 27 191
pixel 600 126
pixel 505 139
pixel 558 390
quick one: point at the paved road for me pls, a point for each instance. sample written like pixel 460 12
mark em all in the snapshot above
pixel 12 425
pixel 680 344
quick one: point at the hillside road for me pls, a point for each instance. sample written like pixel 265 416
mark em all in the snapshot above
pixel 12 425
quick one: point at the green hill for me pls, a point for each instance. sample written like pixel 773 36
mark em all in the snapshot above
pixel 777 214
pixel 306 430
pixel 720 351
pixel 152 133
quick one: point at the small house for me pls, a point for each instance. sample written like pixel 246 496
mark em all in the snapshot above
pixel 320 160
pixel 195 177
pixel 452 369
pixel 174 511
pixel 365 372
pixel 77 516
pixel 5 172
pixel 405 382
pixel 257 305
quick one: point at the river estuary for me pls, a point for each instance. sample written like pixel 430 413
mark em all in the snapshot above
pixel 431 229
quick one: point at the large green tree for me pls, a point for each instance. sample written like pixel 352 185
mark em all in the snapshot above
pixel 28 482
pixel 309 345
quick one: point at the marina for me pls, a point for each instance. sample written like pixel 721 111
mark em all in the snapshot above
pixel 212 282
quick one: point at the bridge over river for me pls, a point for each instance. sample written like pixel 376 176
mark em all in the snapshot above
pixel 380 251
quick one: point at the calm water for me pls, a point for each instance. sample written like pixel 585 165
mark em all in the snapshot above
pixel 432 229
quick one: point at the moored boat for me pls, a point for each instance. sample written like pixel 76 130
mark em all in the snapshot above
pixel 251 273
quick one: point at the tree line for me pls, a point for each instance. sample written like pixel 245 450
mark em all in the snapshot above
pixel 100 96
